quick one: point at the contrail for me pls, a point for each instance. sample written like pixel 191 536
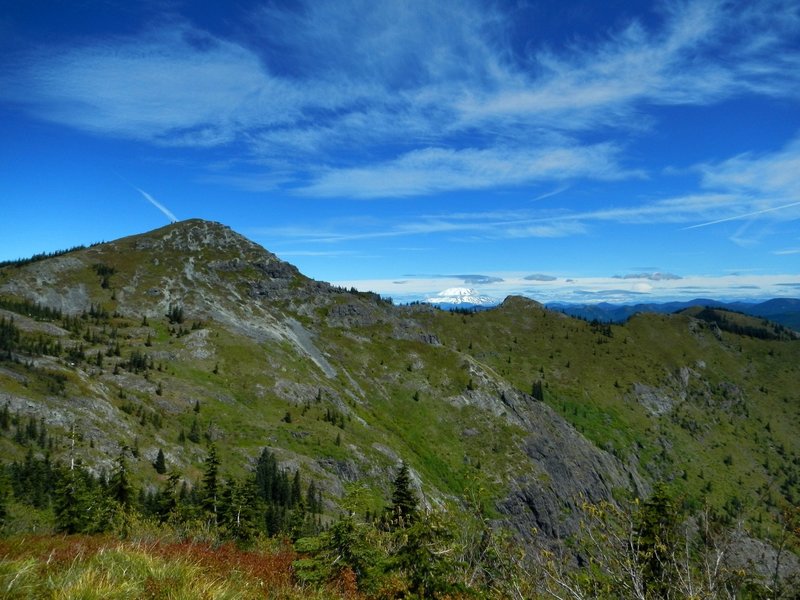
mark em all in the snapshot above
pixel 752 214
pixel 563 188
pixel 172 218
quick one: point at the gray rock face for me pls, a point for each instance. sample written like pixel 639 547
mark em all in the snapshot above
pixel 655 400
pixel 570 471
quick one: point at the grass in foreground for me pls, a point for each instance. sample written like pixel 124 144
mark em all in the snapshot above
pixel 97 567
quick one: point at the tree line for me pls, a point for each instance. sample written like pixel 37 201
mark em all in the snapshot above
pixel 269 500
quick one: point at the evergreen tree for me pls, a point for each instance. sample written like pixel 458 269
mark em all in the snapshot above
pixel 274 519
pixel 404 502
pixel 175 314
pixel 656 540
pixel 237 510
pixel 266 473
pixel 3 509
pixel 424 558
pixel 312 499
pixel 32 481
pixel 297 491
pixel 69 500
pixel 5 417
pixel 194 432
pixel 536 390
pixel 210 492
pixel 42 439
pixel 298 523
pixel 166 500
pixel 160 463
pixel 119 486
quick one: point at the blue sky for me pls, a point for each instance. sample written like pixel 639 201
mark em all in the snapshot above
pixel 567 150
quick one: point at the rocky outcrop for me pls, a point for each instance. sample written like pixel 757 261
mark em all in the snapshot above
pixel 568 472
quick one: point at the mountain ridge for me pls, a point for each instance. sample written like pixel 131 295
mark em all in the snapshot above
pixel 785 311
pixel 544 411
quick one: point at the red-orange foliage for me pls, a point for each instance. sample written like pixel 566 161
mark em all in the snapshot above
pixel 54 550
pixel 272 570
pixel 346 583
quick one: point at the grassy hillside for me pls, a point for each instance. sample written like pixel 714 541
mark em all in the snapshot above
pixel 713 412
pixel 192 335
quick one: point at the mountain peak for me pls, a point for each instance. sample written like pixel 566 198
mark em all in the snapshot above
pixel 194 235
pixel 202 265
pixel 460 296
pixel 522 302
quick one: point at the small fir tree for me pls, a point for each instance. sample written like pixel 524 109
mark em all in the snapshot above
pixel 194 431
pixel 404 501
pixel 210 490
pixel 119 486
pixel 160 464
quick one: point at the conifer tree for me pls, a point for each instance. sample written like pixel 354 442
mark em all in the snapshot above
pixel 119 486
pixel 3 509
pixel 160 463
pixel 209 497
pixel 237 509
pixel 166 501
pixel 5 417
pixel 297 491
pixel 266 472
pixel 194 432
pixel 42 439
pixel 312 499
pixel 656 540
pixel 404 502
pixel 69 500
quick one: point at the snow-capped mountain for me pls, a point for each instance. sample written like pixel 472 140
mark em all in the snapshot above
pixel 460 297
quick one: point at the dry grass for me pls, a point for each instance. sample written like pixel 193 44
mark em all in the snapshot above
pixel 99 567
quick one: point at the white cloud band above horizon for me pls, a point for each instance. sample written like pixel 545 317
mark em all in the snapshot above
pixel 590 290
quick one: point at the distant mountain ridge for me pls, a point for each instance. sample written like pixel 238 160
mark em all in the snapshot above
pixel 785 311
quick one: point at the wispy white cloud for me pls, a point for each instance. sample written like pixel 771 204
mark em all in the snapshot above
pixel 743 188
pixel 605 83
pixel 756 186
pixel 655 276
pixel 435 170
pixel 707 207
pixel 540 277
pixel 408 98
pixel 171 86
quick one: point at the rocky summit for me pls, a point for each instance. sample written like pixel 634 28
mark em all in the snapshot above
pixel 190 335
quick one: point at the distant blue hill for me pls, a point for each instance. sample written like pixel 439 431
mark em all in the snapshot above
pixel 785 311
